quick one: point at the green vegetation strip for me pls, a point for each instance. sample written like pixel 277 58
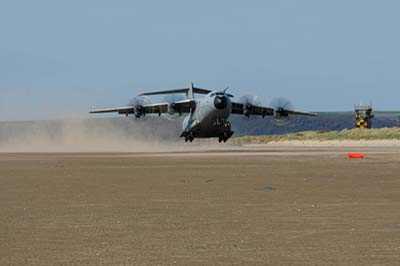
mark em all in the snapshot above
pixel 346 134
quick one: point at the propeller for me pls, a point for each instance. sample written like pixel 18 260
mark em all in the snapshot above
pixel 138 103
pixel 281 107
pixel 170 99
pixel 139 100
pixel 249 100
pixel 228 94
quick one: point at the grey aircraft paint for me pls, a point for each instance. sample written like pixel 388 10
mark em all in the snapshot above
pixel 207 117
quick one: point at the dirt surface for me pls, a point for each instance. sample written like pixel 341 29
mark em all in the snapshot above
pixel 242 206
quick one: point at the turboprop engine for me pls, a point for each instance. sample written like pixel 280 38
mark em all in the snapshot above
pixel 172 110
pixel 249 100
pixel 137 103
pixel 281 110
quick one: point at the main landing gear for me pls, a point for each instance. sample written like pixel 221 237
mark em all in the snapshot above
pixel 224 127
pixel 225 136
pixel 189 137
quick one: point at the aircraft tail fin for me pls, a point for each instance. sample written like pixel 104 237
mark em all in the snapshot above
pixel 190 93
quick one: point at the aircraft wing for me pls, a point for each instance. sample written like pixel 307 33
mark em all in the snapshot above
pixel 120 110
pixel 157 108
pixel 291 112
pixel 184 106
pixel 247 110
pixel 243 109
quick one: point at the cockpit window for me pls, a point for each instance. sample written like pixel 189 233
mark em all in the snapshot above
pixel 212 95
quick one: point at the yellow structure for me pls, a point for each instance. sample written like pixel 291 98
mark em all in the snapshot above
pixel 363 116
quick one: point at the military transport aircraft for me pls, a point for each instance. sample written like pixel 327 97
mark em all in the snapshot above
pixel 207 117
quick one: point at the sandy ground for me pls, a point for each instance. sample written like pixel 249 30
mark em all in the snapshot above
pixel 264 205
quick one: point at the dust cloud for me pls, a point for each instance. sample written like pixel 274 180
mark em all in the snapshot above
pixel 91 135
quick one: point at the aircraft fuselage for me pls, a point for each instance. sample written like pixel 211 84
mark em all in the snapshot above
pixel 209 119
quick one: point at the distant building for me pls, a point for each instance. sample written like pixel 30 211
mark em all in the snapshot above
pixel 363 116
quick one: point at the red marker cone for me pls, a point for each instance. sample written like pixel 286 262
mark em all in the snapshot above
pixel 356 155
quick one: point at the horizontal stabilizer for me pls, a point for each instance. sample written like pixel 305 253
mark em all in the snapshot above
pixel 183 90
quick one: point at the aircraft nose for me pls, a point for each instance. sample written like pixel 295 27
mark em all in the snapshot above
pixel 220 102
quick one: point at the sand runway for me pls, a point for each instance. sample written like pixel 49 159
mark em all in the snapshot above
pixel 236 206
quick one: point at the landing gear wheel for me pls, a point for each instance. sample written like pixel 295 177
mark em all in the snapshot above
pixel 222 139
pixel 225 136
pixel 189 137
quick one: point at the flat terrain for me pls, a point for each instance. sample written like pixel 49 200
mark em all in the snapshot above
pixel 351 135
pixel 237 206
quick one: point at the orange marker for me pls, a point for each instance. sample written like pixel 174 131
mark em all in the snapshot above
pixel 356 155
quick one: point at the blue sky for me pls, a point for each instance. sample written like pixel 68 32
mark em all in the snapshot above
pixel 62 58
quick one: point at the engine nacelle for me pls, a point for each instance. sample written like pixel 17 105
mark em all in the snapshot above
pixel 139 111
pixel 281 114
pixel 247 110
pixel 171 108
